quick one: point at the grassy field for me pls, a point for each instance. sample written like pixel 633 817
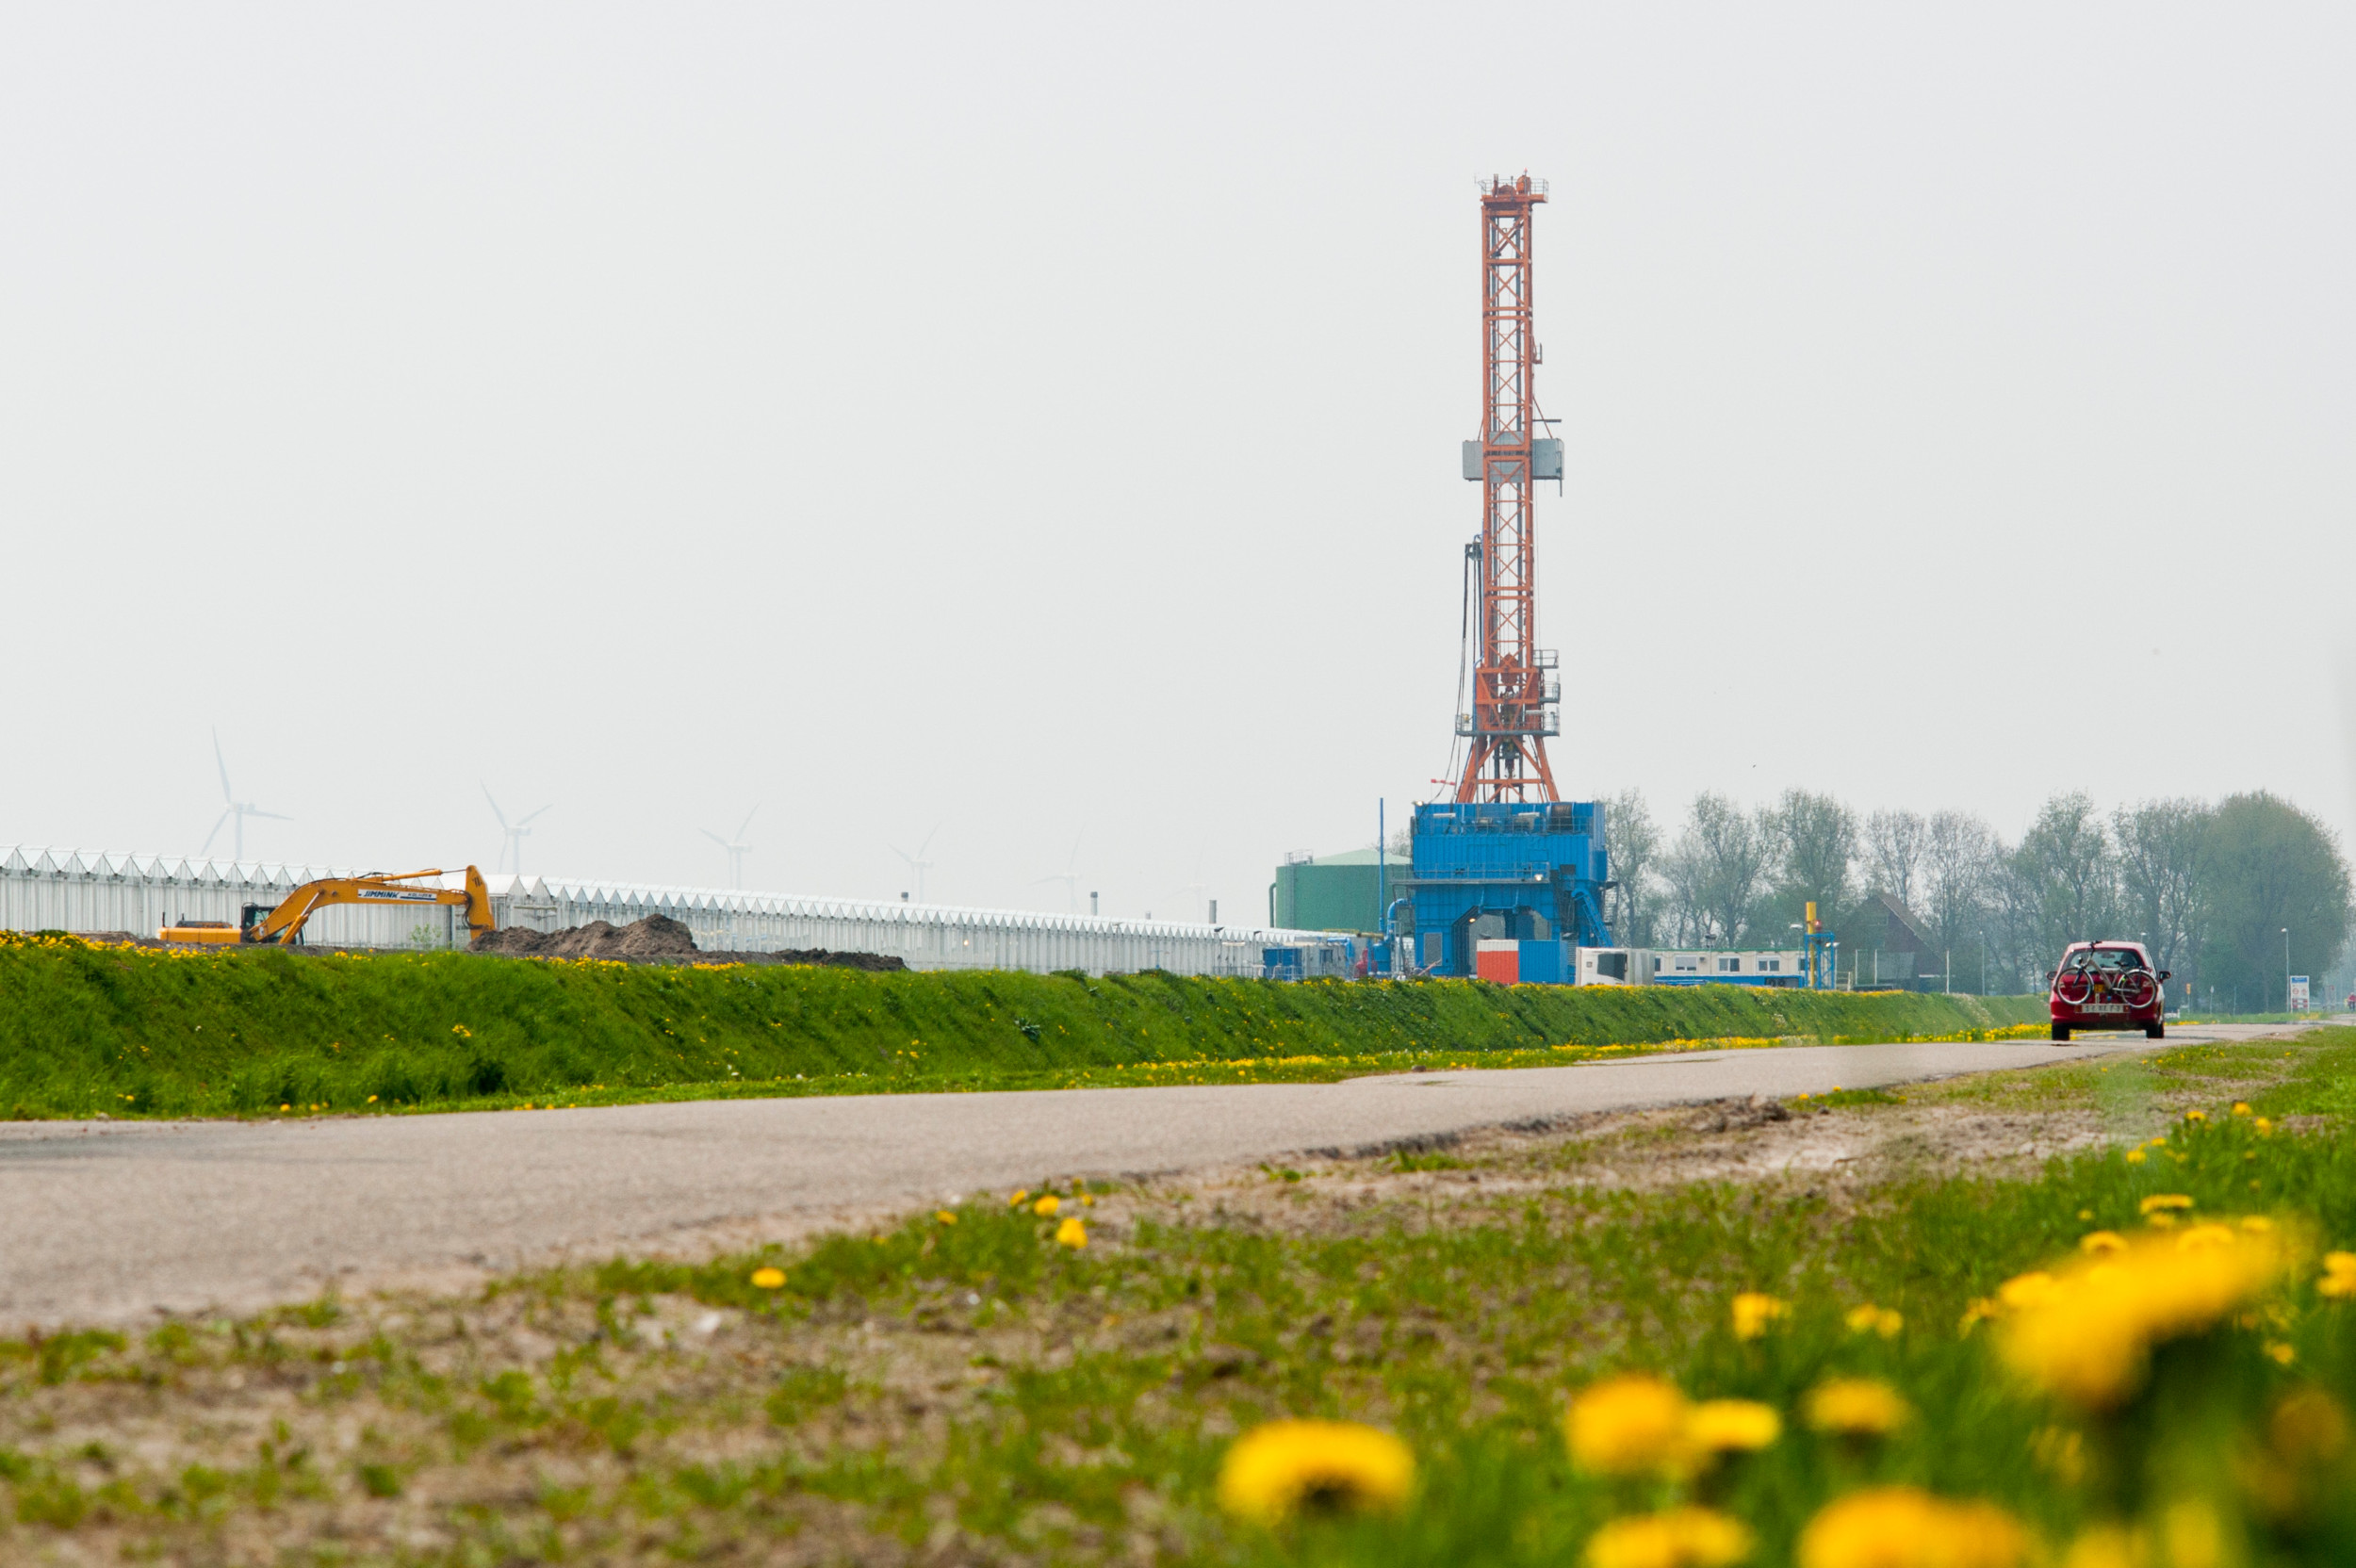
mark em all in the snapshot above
pixel 965 1387
pixel 128 1031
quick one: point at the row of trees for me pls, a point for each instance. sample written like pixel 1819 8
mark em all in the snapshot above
pixel 2211 887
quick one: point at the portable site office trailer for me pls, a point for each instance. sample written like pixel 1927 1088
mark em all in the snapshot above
pixel 1557 962
pixel 1702 968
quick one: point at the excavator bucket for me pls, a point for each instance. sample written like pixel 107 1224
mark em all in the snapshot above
pixel 479 918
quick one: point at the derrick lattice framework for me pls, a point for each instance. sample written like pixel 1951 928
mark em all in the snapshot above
pixel 1516 682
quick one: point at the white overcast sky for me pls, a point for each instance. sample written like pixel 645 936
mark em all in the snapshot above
pixel 1039 424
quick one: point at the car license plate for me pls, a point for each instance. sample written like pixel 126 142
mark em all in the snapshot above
pixel 2104 1007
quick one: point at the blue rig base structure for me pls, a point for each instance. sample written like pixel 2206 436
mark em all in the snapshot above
pixel 1504 870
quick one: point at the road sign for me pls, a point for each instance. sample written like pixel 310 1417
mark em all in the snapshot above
pixel 2298 994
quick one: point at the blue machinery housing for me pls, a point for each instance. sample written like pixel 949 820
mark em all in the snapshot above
pixel 1505 871
pixel 1512 891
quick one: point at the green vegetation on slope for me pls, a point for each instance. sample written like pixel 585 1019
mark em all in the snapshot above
pixel 85 1029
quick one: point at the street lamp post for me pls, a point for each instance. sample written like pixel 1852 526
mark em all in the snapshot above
pixel 2286 968
pixel 1983 963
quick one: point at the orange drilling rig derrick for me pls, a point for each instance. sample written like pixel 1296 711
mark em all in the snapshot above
pixel 1516 685
pixel 284 925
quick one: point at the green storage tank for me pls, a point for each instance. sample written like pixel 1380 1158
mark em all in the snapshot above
pixel 1333 892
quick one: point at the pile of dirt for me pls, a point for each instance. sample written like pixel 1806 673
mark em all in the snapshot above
pixel 655 937
pixel 878 962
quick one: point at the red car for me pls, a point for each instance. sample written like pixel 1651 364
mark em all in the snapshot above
pixel 2107 985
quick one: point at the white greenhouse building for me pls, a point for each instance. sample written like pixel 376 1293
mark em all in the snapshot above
pixel 69 890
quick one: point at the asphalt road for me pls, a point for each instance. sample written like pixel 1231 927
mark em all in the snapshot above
pixel 113 1221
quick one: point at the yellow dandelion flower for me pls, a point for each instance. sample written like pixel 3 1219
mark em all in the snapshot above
pixel 2339 1276
pixel 2257 1223
pixel 2192 1534
pixel 769 1278
pixel 1732 1425
pixel 1087 1200
pixel 2136 1156
pixel 2088 1337
pixel 2095 1243
pixel 2241 1107
pixel 1676 1538
pixel 1045 1208
pixel 1901 1527
pixel 2196 1116
pixel 2108 1546
pixel 2282 1354
pixel 2160 1201
pixel 2206 1235
pixel 1284 1469
pixel 1630 1425
pixel 1071 1234
pixel 2308 1426
pixel 945 1217
pixel 1871 1319
pixel 1753 1311
pixel 2265 1126
pixel 2024 1290
pixel 1020 1194
pixel 1857 1406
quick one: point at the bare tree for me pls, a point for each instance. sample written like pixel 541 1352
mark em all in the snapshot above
pixel 1715 870
pixel 2068 875
pixel 2014 921
pixel 2161 845
pixel 1685 875
pixel 1814 845
pixel 1959 872
pixel 1632 840
pixel 1895 844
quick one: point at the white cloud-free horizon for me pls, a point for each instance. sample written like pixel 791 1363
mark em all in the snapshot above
pixel 1038 425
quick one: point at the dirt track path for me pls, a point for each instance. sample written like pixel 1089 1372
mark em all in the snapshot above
pixel 113 1221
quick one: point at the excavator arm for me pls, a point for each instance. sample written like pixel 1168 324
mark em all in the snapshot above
pixel 285 923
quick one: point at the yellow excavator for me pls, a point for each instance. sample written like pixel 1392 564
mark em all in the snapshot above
pixel 284 923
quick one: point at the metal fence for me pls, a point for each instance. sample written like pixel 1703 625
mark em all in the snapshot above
pixel 80 890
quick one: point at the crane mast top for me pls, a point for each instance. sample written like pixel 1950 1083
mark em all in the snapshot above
pixel 1517 687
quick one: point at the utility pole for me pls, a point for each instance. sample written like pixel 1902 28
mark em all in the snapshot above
pixel 1516 681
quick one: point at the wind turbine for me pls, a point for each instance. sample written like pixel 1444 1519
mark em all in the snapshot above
pixel 1198 886
pixel 239 810
pixel 917 862
pixel 1069 876
pixel 516 832
pixel 736 847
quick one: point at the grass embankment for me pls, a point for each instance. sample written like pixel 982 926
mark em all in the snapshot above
pixel 961 1388
pixel 129 1031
